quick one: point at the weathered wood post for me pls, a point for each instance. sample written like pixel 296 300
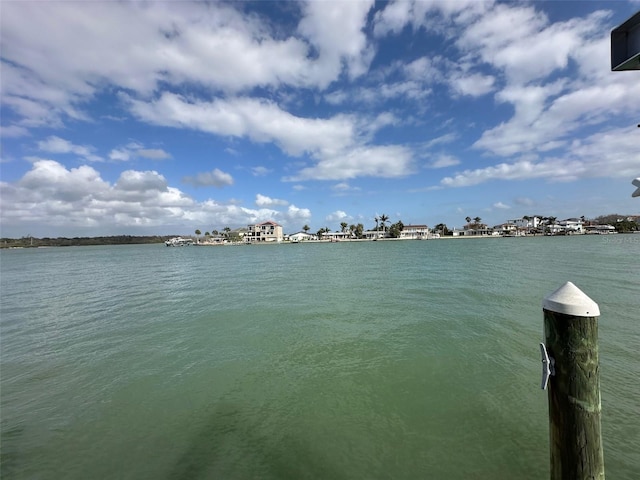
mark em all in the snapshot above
pixel 571 338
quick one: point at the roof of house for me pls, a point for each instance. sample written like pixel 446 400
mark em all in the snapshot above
pixel 269 222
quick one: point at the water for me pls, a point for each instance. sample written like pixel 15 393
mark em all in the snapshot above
pixel 352 360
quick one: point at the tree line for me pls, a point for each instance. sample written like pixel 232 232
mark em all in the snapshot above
pixel 29 241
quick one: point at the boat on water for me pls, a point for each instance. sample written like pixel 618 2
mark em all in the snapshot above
pixel 178 242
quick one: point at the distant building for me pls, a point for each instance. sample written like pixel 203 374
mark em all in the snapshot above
pixel 600 229
pixel 508 228
pixel 477 229
pixel 414 232
pixel 373 234
pixel 301 237
pixel 526 223
pixel 571 225
pixel 264 232
pixel 337 236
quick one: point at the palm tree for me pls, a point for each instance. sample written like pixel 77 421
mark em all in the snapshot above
pixel 383 220
pixel 477 220
pixel 468 219
pixel 226 231
pixel 343 226
pixel 376 219
pixel 306 228
pixel 198 232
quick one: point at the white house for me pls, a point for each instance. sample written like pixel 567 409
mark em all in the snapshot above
pixel 373 234
pixel 414 232
pixel 337 236
pixel 508 228
pixel 301 237
pixel 571 225
pixel 600 229
pixel 526 223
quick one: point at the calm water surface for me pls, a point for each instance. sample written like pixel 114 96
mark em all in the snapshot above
pixel 395 360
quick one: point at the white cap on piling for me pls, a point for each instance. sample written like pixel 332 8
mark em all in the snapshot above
pixel 570 300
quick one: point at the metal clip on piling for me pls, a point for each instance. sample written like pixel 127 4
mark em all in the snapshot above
pixel 548 366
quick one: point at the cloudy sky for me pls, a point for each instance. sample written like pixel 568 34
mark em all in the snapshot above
pixel 145 118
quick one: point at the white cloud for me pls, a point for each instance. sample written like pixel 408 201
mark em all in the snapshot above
pixel 264 201
pixel 338 216
pixel 132 180
pixel 336 97
pixel 474 84
pixel 430 14
pixel 341 187
pixel 381 92
pixel 393 18
pixel 515 171
pixel 51 200
pixel 542 124
pixel 336 143
pixel 336 31
pixel 295 216
pixel 260 171
pixel 376 161
pixel 135 149
pixel 501 206
pixel 54 144
pixel 214 178
pixel 260 120
pixel 50 180
pixel 153 153
pixel 444 160
pixel 57 55
pixel 120 155
pixel 612 153
pixel 441 140
pixel 521 41
pixel 425 69
pixel 13 131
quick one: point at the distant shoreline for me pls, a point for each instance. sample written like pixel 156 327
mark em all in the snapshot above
pixel 32 242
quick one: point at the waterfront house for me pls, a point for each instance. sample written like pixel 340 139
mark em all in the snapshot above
pixel 337 236
pixel 373 234
pixel 508 228
pixel 269 231
pixel 571 225
pixel 414 232
pixel 301 237
pixel 600 229
pixel 478 230
pixel 528 223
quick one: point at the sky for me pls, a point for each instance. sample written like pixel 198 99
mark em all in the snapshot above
pixel 159 118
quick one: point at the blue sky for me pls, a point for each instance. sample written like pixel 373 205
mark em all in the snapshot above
pixel 163 118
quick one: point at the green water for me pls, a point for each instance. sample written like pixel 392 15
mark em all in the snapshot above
pixel 367 360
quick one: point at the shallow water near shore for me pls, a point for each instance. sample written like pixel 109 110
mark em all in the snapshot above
pixel 412 359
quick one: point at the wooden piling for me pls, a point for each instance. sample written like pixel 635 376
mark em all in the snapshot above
pixel 571 337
